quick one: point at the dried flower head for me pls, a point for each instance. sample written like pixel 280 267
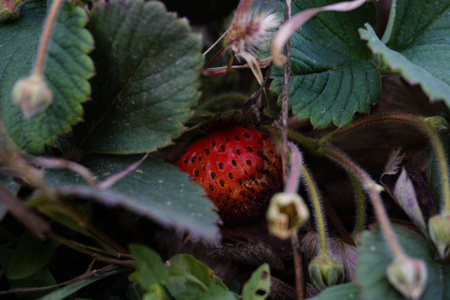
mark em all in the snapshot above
pixel 287 212
pixel 250 28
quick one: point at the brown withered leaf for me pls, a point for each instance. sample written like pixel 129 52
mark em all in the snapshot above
pixel 281 290
pixel 253 253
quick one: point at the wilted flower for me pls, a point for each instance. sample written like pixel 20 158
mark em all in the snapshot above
pixel 287 212
pixel 32 95
pixel 249 29
pixel 408 275
pixel 439 229
pixel 325 271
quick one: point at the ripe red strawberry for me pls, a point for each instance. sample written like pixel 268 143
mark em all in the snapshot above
pixel 240 169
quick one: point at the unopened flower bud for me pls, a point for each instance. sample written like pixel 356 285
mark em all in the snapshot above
pixel 32 95
pixel 9 10
pixel 287 212
pixel 439 229
pixel 437 123
pixel 408 275
pixel 325 271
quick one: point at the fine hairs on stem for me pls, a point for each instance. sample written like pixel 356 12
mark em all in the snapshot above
pixel 315 199
pixel 428 126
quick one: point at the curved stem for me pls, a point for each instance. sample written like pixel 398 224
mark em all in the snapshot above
pixel 422 125
pixel 372 190
pixel 295 171
pixel 315 199
pixel 45 38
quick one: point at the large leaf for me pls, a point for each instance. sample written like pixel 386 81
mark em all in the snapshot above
pixel 416 44
pixel 148 74
pixel 425 62
pixel 67 69
pixel 374 256
pixel 331 78
pixel 155 189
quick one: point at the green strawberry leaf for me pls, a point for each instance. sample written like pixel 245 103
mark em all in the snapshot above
pixel 155 189
pixel 331 78
pixel 258 286
pixel 30 256
pixel 151 269
pixel 374 256
pixel 67 70
pixel 148 75
pixel 425 62
pixel 346 291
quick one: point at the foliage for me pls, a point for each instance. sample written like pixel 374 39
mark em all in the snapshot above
pixel 92 206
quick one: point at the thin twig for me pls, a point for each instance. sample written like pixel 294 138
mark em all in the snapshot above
pixel 285 100
pixel 83 276
pixel 298 268
pixel 30 220
pixel 100 257
pixel 59 163
pixel 111 180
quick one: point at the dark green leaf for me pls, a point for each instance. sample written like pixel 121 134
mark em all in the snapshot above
pixel 68 290
pixel 30 256
pixel 67 69
pixel 346 291
pixel 190 278
pixel 135 291
pixel 148 70
pixel 217 293
pixel 331 77
pixel 423 64
pixel 150 270
pixel 374 256
pixel 155 189
pixel 258 286
pixel 42 278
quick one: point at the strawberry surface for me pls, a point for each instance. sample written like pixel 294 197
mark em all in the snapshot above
pixel 239 168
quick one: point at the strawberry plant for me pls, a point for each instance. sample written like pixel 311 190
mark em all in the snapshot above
pixel 224 149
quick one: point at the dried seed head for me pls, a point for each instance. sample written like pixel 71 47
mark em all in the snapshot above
pixel 248 31
pixel 32 95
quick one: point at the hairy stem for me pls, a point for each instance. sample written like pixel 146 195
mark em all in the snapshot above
pixel 285 99
pixel 422 125
pixel 372 189
pixel 360 206
pixel 298 268
pixel 45 38
pixel 315 199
